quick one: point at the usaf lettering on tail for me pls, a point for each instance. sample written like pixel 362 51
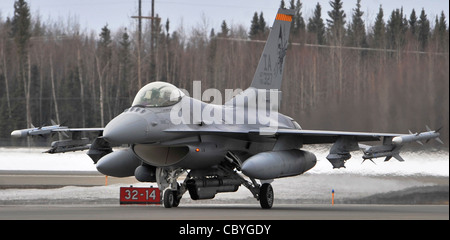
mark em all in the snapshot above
pixel 170 133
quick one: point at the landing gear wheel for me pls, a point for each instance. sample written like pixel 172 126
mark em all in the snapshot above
pixel 266 196
pixel 168 198
pixel 176 200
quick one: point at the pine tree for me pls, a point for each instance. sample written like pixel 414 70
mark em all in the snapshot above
pixel 442 26
pixel 124 58
pixel 440 34
pixel 262 24
pixel 258 27
pixel 413 23
pixel 298 23
pixel 336 23
pixel 424 29
pixel 224 30
pixel 212 34
pixel 292 4
pixel 104 45
pixel 379 31
pixel 316 25
pixel 21 32
pixel 357 30
pixel 254 28
pixel 396 28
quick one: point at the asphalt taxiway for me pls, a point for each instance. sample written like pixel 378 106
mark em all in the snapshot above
pixel 83 195
pixel 225 212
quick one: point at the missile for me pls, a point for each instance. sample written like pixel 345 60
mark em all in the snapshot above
pixel 392 148
pixel 35 131
pixel 400 140
pixel 20 133
pixel 387 151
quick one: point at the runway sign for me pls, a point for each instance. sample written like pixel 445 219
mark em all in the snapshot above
pixel 140 195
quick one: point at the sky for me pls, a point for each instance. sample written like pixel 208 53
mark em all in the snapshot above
pixel 94 14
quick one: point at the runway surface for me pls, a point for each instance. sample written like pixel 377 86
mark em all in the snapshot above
pixel 226 212
pixel 83 195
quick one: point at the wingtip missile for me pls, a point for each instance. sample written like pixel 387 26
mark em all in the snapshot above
pixel 36 131
pixel 19 133
pixel 418 137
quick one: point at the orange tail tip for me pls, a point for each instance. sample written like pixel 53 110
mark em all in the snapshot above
pixel 284 17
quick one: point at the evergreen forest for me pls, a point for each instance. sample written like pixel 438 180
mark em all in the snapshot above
pixel 341 72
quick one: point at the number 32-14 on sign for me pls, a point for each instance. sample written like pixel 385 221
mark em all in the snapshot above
pixel 140 195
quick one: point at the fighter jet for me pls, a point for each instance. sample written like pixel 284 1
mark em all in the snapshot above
pixel 218 148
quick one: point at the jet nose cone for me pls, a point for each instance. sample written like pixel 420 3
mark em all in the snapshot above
pixel 126 129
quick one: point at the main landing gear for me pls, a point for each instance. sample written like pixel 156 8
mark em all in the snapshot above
pixel 202 186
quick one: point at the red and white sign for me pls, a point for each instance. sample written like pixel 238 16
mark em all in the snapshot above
pixel 140 195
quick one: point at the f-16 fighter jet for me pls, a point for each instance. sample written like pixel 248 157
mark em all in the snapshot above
pixel 218 148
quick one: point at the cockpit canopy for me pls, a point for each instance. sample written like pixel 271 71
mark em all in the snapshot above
pixel 158 94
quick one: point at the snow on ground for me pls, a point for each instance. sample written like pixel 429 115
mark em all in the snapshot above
pixel 430 162
pixel 34 159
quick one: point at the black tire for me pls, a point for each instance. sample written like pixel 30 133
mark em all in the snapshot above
pixel 168 198
pixel 266 196
pixel 176 200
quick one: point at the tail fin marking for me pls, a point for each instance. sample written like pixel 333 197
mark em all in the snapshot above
pixel 269 73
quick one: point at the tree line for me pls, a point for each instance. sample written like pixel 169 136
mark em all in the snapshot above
pixel 339 73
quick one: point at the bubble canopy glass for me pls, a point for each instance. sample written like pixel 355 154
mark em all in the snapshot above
pixel 158 94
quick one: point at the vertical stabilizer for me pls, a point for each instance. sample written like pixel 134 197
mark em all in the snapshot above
pixel 269 72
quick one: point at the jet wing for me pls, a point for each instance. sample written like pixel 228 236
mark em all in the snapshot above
pixel 346 142
pixel 66 143
pixel 343 142
pixel 306 136
pixel 79 130
pixel 324 136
